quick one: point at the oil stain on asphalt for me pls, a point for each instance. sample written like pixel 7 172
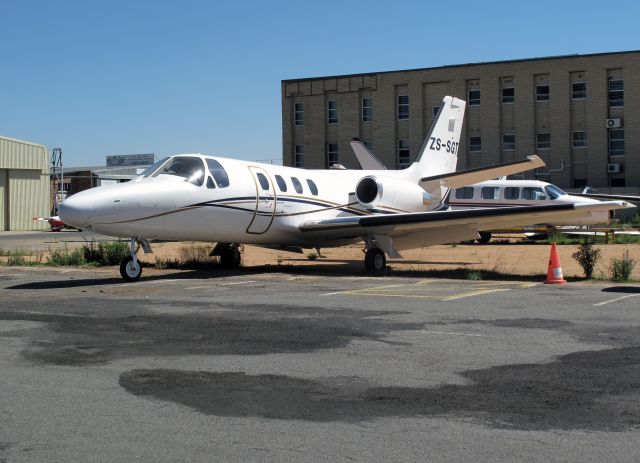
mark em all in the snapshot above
pixel 591 390
pixel 83 339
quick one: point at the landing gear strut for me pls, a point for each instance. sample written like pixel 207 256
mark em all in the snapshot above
pixel 375 261
pixel 230 254
pixel 130 268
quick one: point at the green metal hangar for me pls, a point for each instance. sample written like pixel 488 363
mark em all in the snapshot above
pixel 24 185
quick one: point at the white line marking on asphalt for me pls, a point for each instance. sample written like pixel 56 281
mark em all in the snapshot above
pixel 616 299
pixel 222 284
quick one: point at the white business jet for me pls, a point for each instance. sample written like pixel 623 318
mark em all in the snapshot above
pixel 205 198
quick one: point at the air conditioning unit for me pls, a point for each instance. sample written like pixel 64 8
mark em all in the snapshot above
pixel 614 123
pixel 614 168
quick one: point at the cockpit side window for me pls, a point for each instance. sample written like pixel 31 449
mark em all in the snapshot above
pixel 554 192
pixel 151 169
pixel 533 193
pixel 296 185
pixel 188 168
pixel 218 172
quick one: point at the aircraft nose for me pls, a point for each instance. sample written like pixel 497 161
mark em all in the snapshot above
pixel 73 211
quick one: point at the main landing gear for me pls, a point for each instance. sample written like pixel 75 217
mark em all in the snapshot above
pixel 375 262
pixel 230 254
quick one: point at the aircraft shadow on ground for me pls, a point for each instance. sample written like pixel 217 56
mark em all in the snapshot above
pixel 622 289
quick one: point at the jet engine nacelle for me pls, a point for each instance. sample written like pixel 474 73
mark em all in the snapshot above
pixel 387 192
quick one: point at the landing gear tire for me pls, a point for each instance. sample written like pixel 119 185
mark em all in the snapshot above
pixel 375 261
pixel 130 270
pixel 231 257
pixel 485 237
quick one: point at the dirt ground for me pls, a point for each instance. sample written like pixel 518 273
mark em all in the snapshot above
pixel 513 258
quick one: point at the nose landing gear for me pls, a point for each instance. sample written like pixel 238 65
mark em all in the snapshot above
pixel 230 254
pixel 130 267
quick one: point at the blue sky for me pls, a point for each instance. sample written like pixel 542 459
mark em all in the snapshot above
pixel 117 77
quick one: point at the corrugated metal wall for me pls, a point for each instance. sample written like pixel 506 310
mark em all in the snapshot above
pixel 28 198
pixel 24 184
pixel 4 200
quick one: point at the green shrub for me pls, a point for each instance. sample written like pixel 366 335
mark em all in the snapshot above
pixel 474 275
pixel 105 253
pixel 587 257
pixel 65 258
pixel 621 269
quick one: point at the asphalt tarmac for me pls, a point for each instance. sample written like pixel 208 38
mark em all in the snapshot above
pixel 243 366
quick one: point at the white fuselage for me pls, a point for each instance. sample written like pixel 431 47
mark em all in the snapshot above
pixel 509 193
pixel 165 206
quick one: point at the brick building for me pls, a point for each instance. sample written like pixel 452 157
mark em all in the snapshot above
pixel 580 113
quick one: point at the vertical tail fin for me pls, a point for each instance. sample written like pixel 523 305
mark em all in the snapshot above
pixel 439 152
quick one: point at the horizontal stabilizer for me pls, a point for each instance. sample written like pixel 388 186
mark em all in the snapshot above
pixel 469 177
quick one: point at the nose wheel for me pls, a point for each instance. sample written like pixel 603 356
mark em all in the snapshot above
pixel 130 268
pixel 375 261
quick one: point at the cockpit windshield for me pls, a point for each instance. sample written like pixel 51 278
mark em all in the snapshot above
pixel 151 169
pixel 554 192
pixel 189 168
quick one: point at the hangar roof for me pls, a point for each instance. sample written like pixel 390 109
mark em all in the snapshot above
pixel 24 155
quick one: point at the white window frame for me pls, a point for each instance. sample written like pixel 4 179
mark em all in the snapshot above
pixel 332 113
pixel 609 92
pixel 538 143
pixel 403 105
pixel 330 153
pixel 299 156
pixel 609 140
pixel 471 101
pixel 504 142
pixel 298 121
pixel 471 145
pixel 502 97
pixel 573 97
pixel 579 143
pixel 548 94
pixel 404 147
pixel 369 117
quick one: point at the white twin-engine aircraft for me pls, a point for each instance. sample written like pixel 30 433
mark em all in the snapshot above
pixel 227 201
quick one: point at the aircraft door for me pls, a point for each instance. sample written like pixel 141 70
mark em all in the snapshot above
pixel 266 200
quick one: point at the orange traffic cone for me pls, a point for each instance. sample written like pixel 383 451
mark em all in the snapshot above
pixel 554 272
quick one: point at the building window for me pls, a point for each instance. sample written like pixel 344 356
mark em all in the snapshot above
pixel 508 95
pixel 616 142
pixel 299 161
pixel 579 139
pixel 579 91
pixel 298 115
pixel 508 142
pixel 367 109
pixel 474 97
pixel 403 107
pixel 543 141
pixel 332 112
pixel 618 182
pixel 475 144
pixel 434 111
pixel 332 154
pixel 542 93
pixel 404 154
pixel 616 93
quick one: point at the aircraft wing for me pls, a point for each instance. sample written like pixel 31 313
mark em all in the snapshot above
pixel 397 232
pixel 469 177
pixel 633 199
